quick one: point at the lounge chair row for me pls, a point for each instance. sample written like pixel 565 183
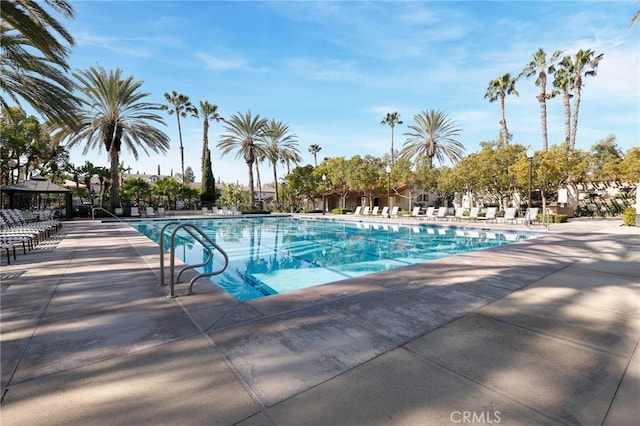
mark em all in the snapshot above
pixel 25 230
pixel 222 211
pixel 442 213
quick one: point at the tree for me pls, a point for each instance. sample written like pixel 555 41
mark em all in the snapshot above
pixel 605 159
pixel 540 68
pixel 189 176
pixel 302 184
pixel 34 59
pixel 498 90
pixel 136 187
pixel 208 112
pixel 563 81
pixel 584 64
pixel 280 145
pixel 115 113
pixel 367 174
pixel 244 134
pixel 18 133
pixel 629 168
pixel 433 135
pixel 314 149
pixel 208 191
pixel 179 105
pixel 167 187
pixel 634 20
pixel 392 119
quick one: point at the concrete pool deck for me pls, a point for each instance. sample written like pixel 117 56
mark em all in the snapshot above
pixel 543 331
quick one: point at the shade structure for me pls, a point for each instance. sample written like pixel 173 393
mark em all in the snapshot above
pixel 38 185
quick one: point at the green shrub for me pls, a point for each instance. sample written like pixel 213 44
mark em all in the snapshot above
pixel 341 211
pixel 256 212
pixel 629 217
pixel 553 218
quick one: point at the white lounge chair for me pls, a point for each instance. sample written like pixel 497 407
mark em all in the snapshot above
pixel 135 212
pixel 473 214
pixel 357 211
pixel 150 212
pixel 442 213
pixel 394 211
pixel 431 213
pixel 365 211
pixel 459 214
pixel 205 210
pixel 385 212
pixel 531 215
pixel 416 213
pixel 490 215
pixel 160 211
pixel 375 210
pixel 119 211
pixel 509 215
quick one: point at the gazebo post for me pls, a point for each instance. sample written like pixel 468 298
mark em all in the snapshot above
pixel 68 201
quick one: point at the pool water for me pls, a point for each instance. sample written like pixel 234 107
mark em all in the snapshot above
pixel 274 255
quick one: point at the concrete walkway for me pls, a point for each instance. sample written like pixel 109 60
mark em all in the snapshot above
pixel 538 332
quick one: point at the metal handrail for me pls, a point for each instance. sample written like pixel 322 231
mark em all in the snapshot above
pixel 189 228
pixel 93 212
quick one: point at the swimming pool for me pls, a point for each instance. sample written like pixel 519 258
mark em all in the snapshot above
pixel 274 255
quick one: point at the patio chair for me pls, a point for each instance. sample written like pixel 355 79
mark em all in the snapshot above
pixel 394 211
pixel 473 214
pixel 161 212
pixel 375 210
pixel 119 211
pixel 385 212
pixel 509 215
pixel 530 216
pixel 430 213
pixel 416 213
pixel 491 214
pixel 365 211
pixel 135 212
pixel 150 212
pixel 357 211
pixel 442 213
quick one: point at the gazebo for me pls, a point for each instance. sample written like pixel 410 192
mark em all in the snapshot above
pixel 38 185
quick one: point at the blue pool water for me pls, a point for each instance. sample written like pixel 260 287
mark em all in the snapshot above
pixel 273 255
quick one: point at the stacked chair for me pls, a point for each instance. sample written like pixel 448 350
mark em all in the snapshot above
pixel 25 229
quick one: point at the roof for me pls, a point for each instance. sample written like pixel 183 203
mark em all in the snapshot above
pixel 36 184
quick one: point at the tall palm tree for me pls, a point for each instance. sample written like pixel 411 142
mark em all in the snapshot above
pixel 181 106
pixel 244 134
pixel 34 59
pixel 433 135
pixel 208 112
pixel 289 157
pixel 279 141
pixel 584 64
pixel 539 67
pixel 392 119
pixel 498 90
pixel 314 149
pixel 563 81
pixel 114 113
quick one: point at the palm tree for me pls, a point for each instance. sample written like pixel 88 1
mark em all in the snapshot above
pixel 433 135
pixel 244 134
pixel 179 105
pixel 584 63
pixel 208 112
pixel 563 81
pixel 314 149
pixel 498 90
pixel 539 67
pixel 279 142
pixel 34 59
pixel 115 113
pixel 391 119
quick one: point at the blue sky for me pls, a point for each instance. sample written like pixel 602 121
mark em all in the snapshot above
pixel 332 70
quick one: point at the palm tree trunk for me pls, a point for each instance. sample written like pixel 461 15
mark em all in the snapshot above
pixel 576 107
pixel 251 195
pixel 275 180
pixel 181 147
pixel 503 122
pixel 259 182
pixel 392 159
pixel 567 116
pixel 114 155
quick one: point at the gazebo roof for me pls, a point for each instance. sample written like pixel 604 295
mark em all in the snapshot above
pixel 36 184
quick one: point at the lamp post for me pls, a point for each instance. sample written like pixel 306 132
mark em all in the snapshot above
pixel 388 170
pixel 324 191
pixel 530 158
pixel 12 166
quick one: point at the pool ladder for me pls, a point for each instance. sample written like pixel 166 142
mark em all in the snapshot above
pixel 200 237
